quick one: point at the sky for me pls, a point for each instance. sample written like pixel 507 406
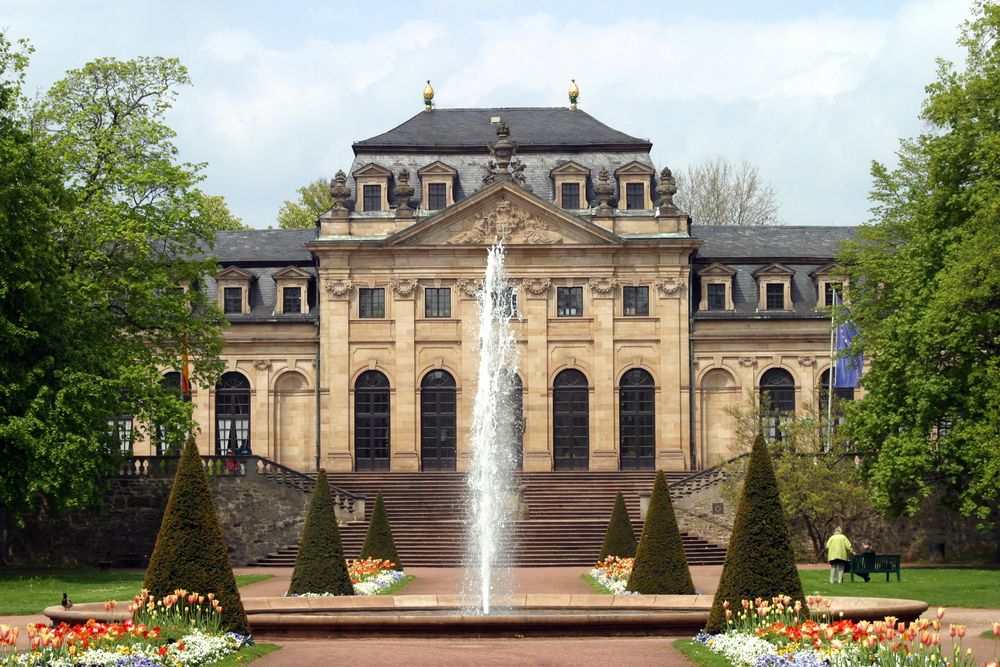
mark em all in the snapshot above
pixel 809 92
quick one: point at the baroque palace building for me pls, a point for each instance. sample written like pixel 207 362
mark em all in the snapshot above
pixel 352 346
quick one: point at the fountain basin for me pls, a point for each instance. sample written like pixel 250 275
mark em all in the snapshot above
pixel 518 615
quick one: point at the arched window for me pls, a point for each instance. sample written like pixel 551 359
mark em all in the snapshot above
pixel 171 383
pixel 437 421
pixel 777 400
pixel 571 420
pixel 636 420
pixel 371 421
pixel 512 420
pixel 232 415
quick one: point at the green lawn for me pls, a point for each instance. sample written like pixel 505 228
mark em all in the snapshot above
pixel 392 590
pixel 699 654
pixel 595 584
pixel 938 587
pixel 31 592
pixel 248 654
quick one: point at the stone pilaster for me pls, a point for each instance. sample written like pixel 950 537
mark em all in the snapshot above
pixel 405 423
pixel 535 367
pixel 336 375
pixel 672 434
pixel 603 444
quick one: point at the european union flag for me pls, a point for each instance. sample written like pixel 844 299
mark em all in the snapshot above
pixel 847 367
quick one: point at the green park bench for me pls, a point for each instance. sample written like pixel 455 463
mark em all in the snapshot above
pixel 875 564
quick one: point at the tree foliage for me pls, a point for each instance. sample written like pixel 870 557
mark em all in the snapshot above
pixel 216 212
pixel 320 565
pixel 190 552
pixel 314 200
pixel 924 295
pixel 718 192
pixel 759 561
pixel 660 564
pixel 379 542
pixel 619 540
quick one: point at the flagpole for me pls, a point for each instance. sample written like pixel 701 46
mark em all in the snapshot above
pixel 830 376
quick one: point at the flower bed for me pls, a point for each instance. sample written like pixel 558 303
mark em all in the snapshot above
pixel 180 630
pixel 612 573
pixel 779 633
pixel 370 576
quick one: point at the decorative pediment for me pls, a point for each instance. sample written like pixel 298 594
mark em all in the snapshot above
pixel 503 211
pixel 437 168
pixel 833 269
pixel 635 168
pixel 569 168
pixel 371 169
pixel 291 273
pixel 234 274
pixel 773 270
pixel 717 270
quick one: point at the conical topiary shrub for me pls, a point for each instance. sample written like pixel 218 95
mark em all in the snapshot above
pixel 760 561
pixel 190 552
pixel 378 539
pixel 660 564
pixel 620 538
pixel 320 566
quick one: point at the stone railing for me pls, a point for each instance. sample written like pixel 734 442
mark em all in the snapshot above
pixel 700 481
pixel 350 507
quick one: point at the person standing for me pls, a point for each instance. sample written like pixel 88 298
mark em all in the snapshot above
pixel 838 549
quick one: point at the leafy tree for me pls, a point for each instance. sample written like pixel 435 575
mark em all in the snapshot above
pixel 717 192
pixel 190 552
pixel 216 211
pixel 314 201
pixel 378 540
pixel 820 485
pixel 759 561
pixel 320 565
pixel 923 292
pixel 619 540
pixel 660 564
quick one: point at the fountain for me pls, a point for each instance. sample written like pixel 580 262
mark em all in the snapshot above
pixel 491 510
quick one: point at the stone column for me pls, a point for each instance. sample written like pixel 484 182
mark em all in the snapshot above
pixel 672 417
pixel 261 428
pixel 603 445
pixel 535 372
pixel 468 378
pixel 336 376
pixel 404 427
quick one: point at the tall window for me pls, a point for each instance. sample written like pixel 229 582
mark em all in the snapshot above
pixel 506 302
pixel 373 197
pixel 291 299
pixel 513 422
pixel 232 415
pixel 437 421
pixel 232 300
pixel 635 196
pixel 637 419
pixel 437 196
pixel 571 195
pixel 828 291
pixel 635 300
pixel 437 301
pixel 839 395
pixel 371 302
pixel 716 296
pixel 775 296
pixel 569 301
pixel 371 422
pixel 777 400
pixel 172 384
pixel 571 420
pixel 121 432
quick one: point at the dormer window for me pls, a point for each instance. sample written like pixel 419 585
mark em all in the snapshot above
pixel 437 182
pixel 292 288
pixel 372 187
pixel 774 283
pixel 829 279
pixel 634 180
pixel 569 182
pixel 234 291
pixel 716 288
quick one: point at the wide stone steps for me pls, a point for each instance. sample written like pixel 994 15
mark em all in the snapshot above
pixel 563 516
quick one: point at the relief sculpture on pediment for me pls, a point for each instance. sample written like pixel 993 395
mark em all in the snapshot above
pixel 507 223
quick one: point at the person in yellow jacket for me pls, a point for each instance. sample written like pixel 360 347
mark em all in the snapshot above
pixel 838 553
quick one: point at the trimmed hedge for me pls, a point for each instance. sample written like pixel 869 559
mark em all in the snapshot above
pixel 760 561
pixel 320 566
pixel 660 564
pixel 619 540
pixel 378 539
pixel 190 552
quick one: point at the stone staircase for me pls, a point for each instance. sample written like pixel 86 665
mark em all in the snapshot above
pixel 563 516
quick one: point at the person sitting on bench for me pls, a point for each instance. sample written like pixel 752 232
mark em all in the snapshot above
pixel 866 549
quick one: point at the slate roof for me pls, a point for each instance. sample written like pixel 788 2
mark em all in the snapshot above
pixel 276 247
pixel 531 127
pixel 721 242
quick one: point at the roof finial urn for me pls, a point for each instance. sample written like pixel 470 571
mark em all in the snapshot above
pixel 604 190
pixel 574 93
pixel 666 190
pixel 428 96
pixel 339 190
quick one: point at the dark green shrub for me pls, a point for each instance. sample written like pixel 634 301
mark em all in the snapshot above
pixel 620 538
pixel 378 539
pixel 660 564
pixel 760 561
pixel 190 552
pixel 320 566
